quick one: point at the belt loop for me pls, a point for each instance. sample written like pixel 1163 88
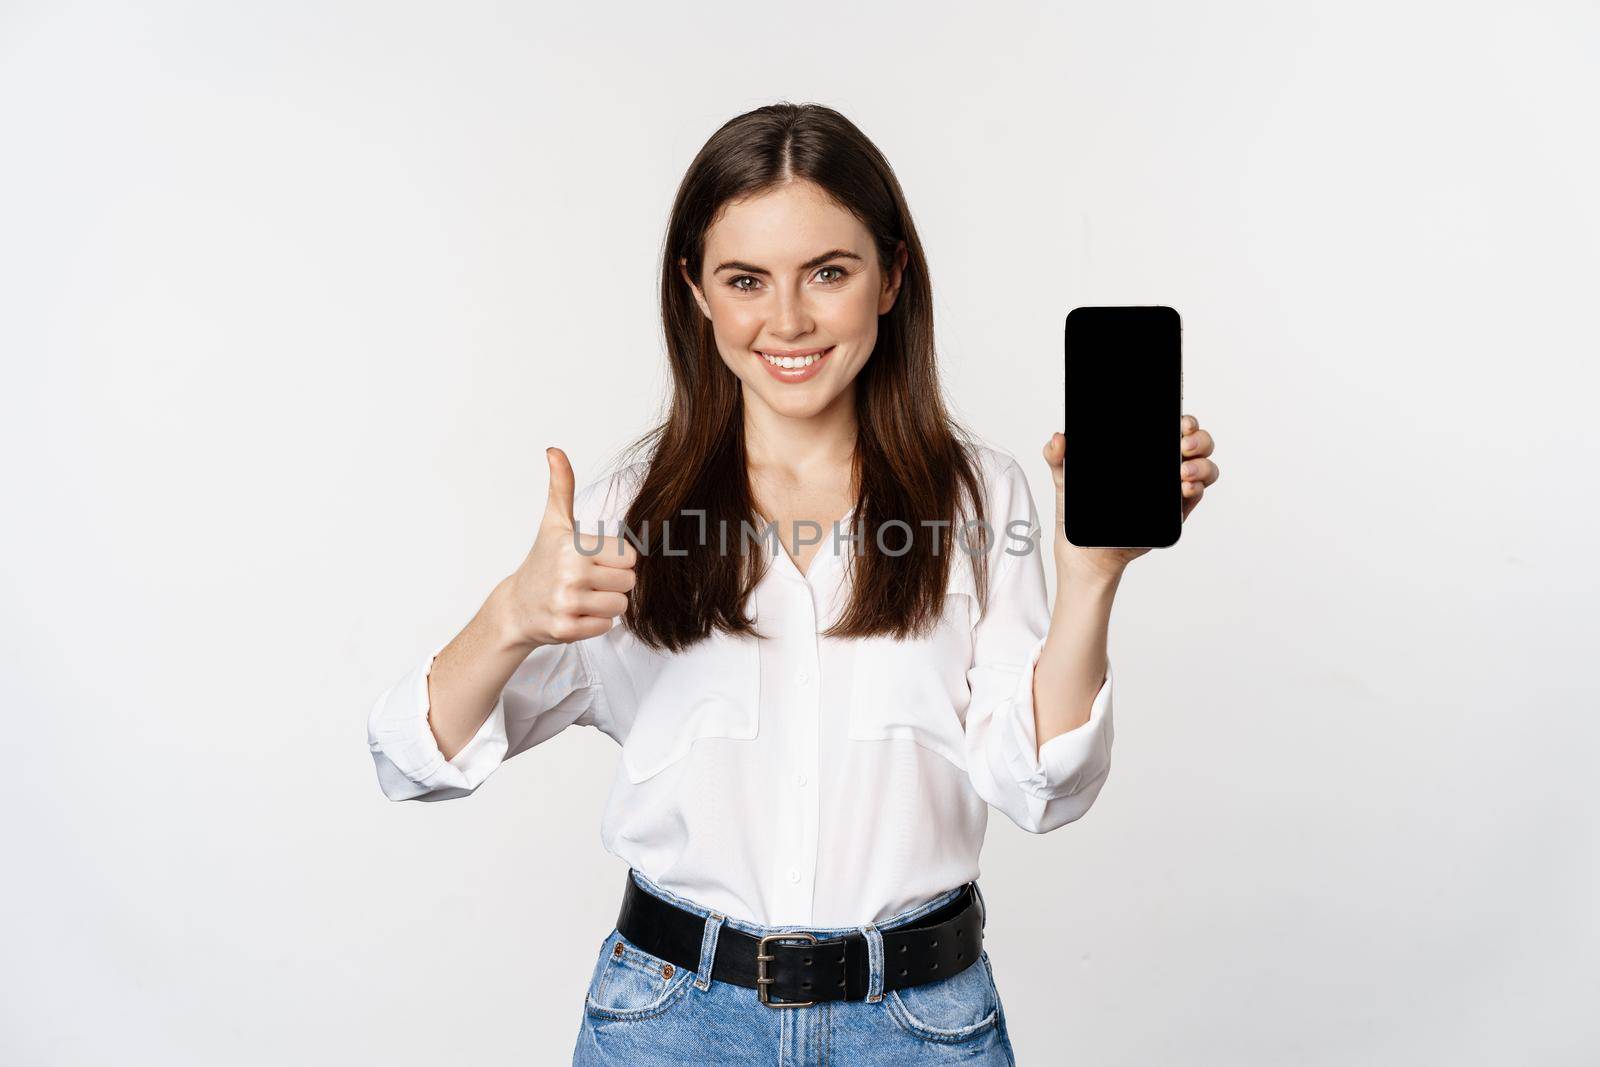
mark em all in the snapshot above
pixel 708 951
pixel 983 911
pixel 874 962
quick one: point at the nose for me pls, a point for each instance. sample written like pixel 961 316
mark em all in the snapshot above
pixel 793 318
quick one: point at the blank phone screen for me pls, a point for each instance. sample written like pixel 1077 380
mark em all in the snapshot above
pixel 1123 402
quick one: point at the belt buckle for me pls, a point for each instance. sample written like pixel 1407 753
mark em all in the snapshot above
pixel 762 980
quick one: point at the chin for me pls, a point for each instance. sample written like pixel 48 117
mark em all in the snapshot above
pixel 790 405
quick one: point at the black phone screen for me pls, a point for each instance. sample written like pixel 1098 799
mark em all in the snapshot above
pixel 1124 397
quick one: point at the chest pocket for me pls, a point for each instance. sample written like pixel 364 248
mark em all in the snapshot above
pixel 917 690
pixel 711 689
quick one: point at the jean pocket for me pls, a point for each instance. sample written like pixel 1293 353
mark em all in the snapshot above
pixel 961 1007
pixel 630 983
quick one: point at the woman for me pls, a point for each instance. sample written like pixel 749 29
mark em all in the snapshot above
pixel 811 738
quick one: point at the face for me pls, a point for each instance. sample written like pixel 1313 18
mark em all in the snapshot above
pixel 792 273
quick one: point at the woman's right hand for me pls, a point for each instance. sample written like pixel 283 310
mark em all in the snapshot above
pixel 559 594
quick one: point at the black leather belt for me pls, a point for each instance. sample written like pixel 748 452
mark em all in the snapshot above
pixel 796 970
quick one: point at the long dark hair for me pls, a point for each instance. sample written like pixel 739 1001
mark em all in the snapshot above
pixel 913 462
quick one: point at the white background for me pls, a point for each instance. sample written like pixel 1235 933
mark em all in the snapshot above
pixel 295 294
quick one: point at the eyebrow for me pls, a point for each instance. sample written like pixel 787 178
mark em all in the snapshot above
pixel 814 261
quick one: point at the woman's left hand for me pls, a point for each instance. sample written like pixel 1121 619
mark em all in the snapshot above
pixel 1197 472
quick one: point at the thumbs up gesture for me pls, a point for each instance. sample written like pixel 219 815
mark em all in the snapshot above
pixel 560 594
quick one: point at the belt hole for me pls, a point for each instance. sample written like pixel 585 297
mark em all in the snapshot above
pixel 903 948
pixel 807 961
pixel 961 955
pixel 841 958
pixel 902 970
pixel 936 966
pixel 805 985
pixel 935 944
pixel 961 933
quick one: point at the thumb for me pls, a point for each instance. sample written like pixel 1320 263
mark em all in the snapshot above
pixel 1055 454
pixel 558 505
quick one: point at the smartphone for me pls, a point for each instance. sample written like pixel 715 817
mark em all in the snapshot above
pixel 1124 399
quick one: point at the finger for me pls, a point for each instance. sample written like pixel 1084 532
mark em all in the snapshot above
pixel 1198 443
pixel 600 603
pixel 1203 471
pixel 582 627
pixel 558 503
pixel 1191 500
pixel 1188 424
pixel 612 579
pixel 612 551
pixel 616 552
pixel 1055 449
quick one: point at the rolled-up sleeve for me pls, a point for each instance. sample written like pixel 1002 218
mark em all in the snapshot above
pixel 1038 787
pixel 553 688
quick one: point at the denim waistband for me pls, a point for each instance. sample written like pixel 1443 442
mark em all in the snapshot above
pixel 758 930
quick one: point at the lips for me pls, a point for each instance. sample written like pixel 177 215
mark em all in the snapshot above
pixel 793 355
pixel 797 374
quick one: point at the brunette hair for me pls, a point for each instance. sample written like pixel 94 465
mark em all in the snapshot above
pixel 913 462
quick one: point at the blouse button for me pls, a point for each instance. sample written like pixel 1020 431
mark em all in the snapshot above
pixel 802 677
pixel 794 875
pixel 799 779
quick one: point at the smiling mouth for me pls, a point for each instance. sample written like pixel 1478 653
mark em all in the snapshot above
pixel 795 364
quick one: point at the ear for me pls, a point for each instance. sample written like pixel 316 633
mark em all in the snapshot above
pixel 699 297
pixel 892 279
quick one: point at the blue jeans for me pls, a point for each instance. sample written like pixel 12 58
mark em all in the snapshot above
pixel 640 1009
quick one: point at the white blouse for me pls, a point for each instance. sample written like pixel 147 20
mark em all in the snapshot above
pixel 798 780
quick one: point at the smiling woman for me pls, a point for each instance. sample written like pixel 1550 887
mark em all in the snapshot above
pixel 792 261
pixel 810 747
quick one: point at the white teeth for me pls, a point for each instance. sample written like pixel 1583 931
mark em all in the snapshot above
pixel 792 362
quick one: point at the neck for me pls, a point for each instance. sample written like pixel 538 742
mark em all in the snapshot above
pixel 801 451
